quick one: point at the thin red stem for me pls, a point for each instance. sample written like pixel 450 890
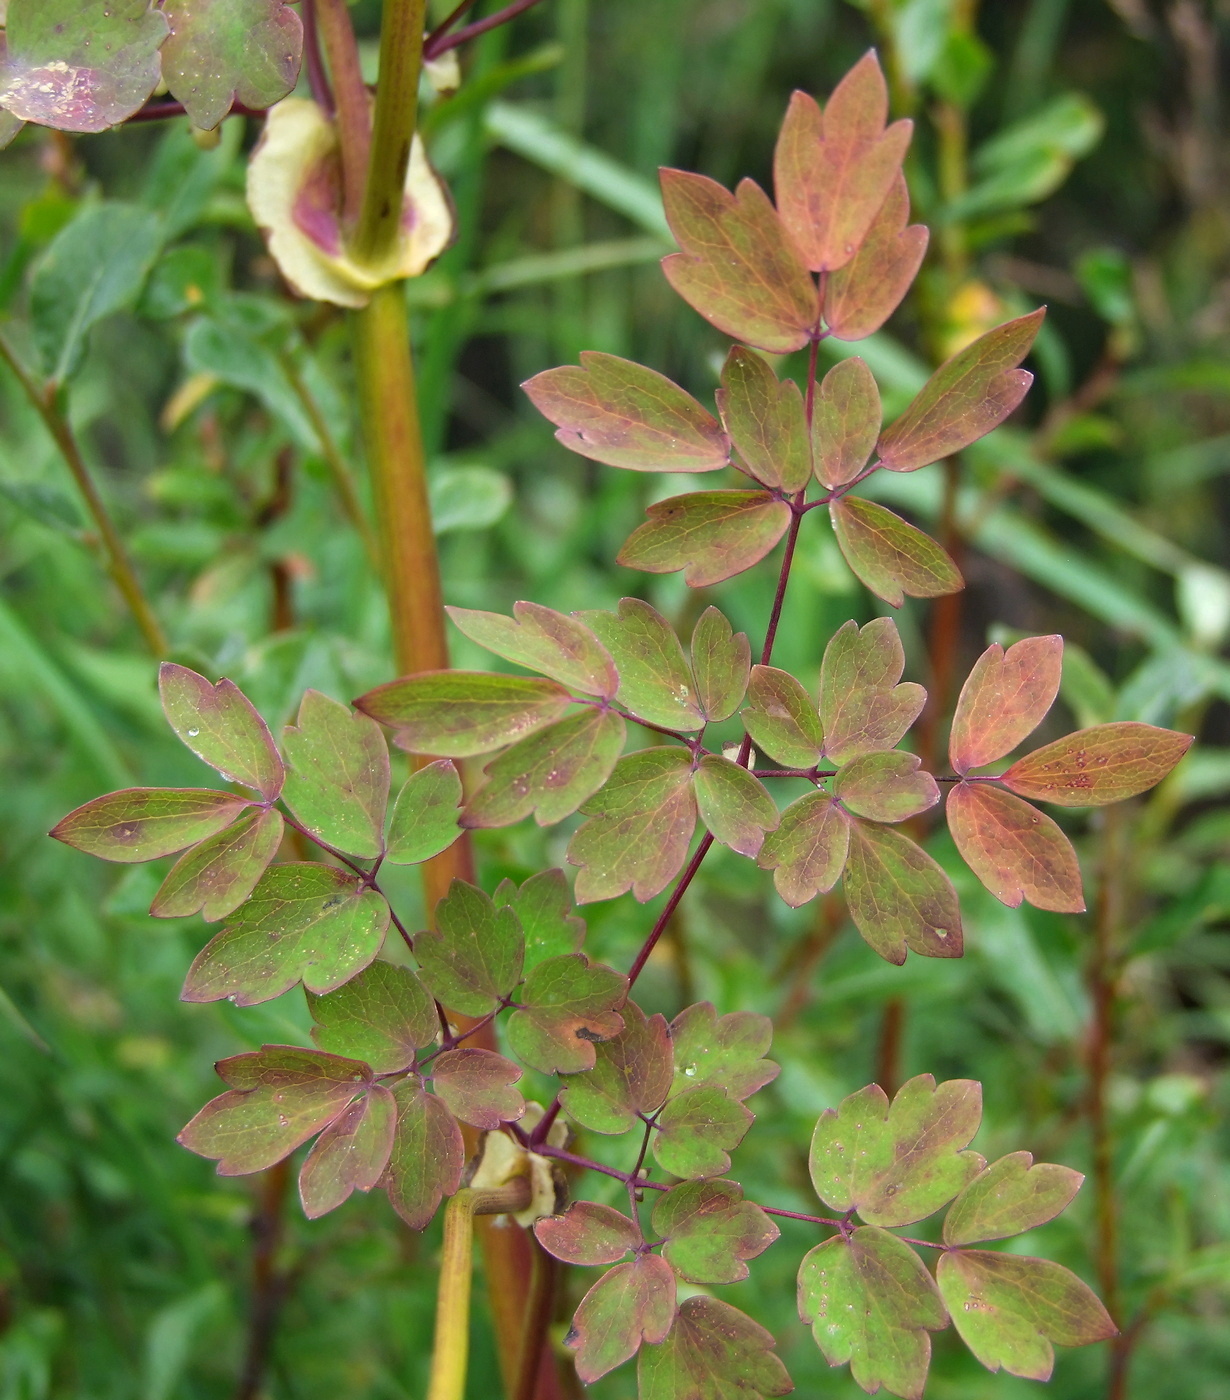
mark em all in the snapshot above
pixel 445 25
pixel 669 908
pixel 436 47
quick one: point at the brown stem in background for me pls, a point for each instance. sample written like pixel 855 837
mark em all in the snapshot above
pixel 801 962
pixel 536 1356
pixel 268 1282
pixel 888 1055
pixel 280 578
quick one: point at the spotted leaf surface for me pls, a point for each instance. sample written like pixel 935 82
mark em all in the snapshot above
pixel 381 1016
pixel 712 535
pixel 655 681
pixel 220 724
pixel 733 804
pixel 631 1075
pixel 724 1052
pixel 631 1304
pixel 709 1231
pixel 425 815
pixel 899 897
pixel 588 1233
pixel 216 876
pixel 1093 767
pixel 697 1131
pixel 567 1006
pixel 139 824
pixel 1005 698
pixel 807 852
pixel 713 1352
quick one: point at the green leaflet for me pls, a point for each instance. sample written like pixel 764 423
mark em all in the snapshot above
pixel 845 422
pixel 698 1129
pixel 721 659
pixel 863 709
pixel 381 1016
pixel 725 1052
pixel 568 1005
pixel 216 876
pixel 630 1304
pixel 541 639
pixel 473 956
pixel 733 804
pixel 428 1154
pixel 139 824
pixel 781 718
pixel 631 1075
pixel 713 1352
pixel 766 421
pixel 655 682
pixel 220 724
pixel 1009 1197
pixel 899 897
pixel 885 787
pixel 544 906
pixel 807 852
pixel 709 1231
pixel 425 815
pixel 713 535
pixel 889 555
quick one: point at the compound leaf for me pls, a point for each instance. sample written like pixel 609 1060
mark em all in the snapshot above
pixel 337 777
pixel 1096 766
pixel 306 923
pixel 587 1233
pixel 550 773
pixel 734 805
pixel 220 724
pixel 631 1075
pixel 721 660
pixel 782 719
pixel 1009 1197
pixel 216 876
pixel 477 1086
pixel 766 421
pixel 871 1302
pixel 630 1304
pixel 625 415
pixel 890 556
pixel 428 1154
pixel 280 1097
pixel 713 1352
pixel 898 1163
pixel 79 65
pixel 1015 850
pixel 964 399
pixel 639 827
pixel 861 296
pixel 738 266
pixel 832 172
pixel 456 714
pixel 725 1052
pixel 1004 699
pixel 544 906
pixel 845 422
pixel 1010 1309
pixel 807 852
pixel 542 639
pixel 899 897
pixel 137 824
pixel 351 1154
pixel 222 51
pixel 862 707
pixel 886 787
pixel 474 955
pixel 567 1006
pixel 655 682
pixel 425 815
pixel 381 1016
pixel 709 1231
pixel 698 1129
pixel 712 534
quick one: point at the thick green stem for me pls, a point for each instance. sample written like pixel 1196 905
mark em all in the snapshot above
pixel 118 561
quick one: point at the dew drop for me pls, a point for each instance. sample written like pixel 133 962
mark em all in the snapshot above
pixel 192 733
pixel 690 1071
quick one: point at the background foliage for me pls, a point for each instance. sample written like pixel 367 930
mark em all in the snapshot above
pixel 1071 153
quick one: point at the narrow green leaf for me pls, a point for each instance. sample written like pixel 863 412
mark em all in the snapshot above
pixel 1015 850
pixel 588 1233
pixel 313 924
pixel 137 824
pixel 477 1086
pixel 734 805
pixel 428 1154
pixel 765 420
pixel 898 1163
pixel 709 1231
pixel 631 1075
pixel 1093 767
pixel 739 267
pixel 714 535
pixel 473 957
pixel 216 876
pixel 224 51
pixel 639 827
pixel 625 415
pixel 381 1016
pixel 337 777
pixel 567 1006
pixel 861 296
pixel 1009 1197
pixel 630 1304
pixel 425 815
pixel 713 1352
pixel 807 852
pixel 964 399
pixel 886 787
pixel 1009 1309
pixel 899 897
pixel 862 707
pixel 845 421
pixel 542 639
pixel 220 724
pixel 782 719
pixel 655 681
pixel 456 714
pixel 888 555
pixel 724 1052
pixel 871 1302
pixel 544 906
pixel 697 1131
pixel 551 773
pixel 351 1154
pixel 1005 698
pixel 721 660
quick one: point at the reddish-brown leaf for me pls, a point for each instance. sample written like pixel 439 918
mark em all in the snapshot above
pixel 766 421
pixel 137 824
pixel 862 707
pixel 428 1154
pixel 964 399
pixel 1005 698
pixel 351 1153
pixel 625 415
pixel 712 534
pixel 714 1352
pixel 631 1076
pixel 807 852
pixel 1095 766
pixel 739 267
pixel 630 1304
pixel 588 1233
pixel 831 172
pixel 477 1086
pixel 861 296
pixel 845 421
pixel 1015 850
pixel 890 556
